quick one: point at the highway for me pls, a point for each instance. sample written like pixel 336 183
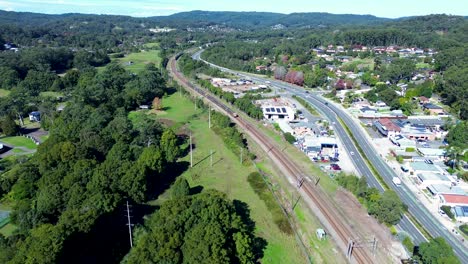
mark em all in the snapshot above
pixel 333 113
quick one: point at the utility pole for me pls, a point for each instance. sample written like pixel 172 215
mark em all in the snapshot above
pixel 129 225
pixel 241 153
pixel 191 152
pixel 211 157
pixel 209 117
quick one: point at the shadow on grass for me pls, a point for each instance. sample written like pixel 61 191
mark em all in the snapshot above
pixel 200 161
pixel 259 244
pixel 196 189
pixel 158 184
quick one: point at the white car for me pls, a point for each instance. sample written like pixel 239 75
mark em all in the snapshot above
pixel 352 153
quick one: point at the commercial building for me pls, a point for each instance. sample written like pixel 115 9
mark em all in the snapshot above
pixel 277 108
pixel 453 200
pixel 427 179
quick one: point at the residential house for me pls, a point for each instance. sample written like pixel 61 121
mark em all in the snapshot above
pixel 439 189
pixel 402 142
pixel 433 109
pixel 420 167
pixel 423 100
pixel 432 153
pixel 35 116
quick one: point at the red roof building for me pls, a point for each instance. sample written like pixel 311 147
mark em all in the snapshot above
pixel 454 199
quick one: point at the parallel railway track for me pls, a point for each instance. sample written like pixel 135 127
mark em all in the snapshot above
pixel 330 216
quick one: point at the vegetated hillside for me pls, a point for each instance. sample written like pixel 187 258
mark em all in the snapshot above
pixel 265 19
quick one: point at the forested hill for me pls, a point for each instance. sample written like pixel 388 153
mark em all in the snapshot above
pixel 266 19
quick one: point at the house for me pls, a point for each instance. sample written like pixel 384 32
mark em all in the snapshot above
pixel 343 84
pixel 433 109
pixel 423 100
pixel 453 199
pixel 380 104
pixel 261 68
pixel 386 127
pixel 35 116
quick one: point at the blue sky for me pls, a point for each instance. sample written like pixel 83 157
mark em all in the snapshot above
pixel 142 8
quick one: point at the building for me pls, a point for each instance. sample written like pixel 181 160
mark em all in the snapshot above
pixel 461 213
pixel 453 200
pixel 416 132
pixel 430 178
pixel 277 108
pixel 402 142
pixel 432 153
pixel 386 127
pixel 438 189
pixel 35 116
pixel 433 109
pixel 420 167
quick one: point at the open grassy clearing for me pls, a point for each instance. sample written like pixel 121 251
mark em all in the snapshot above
pixel 51 94
pixel 151 45
pixel 229 176
pixel 19 141
pixel 136 61
pixel 4 92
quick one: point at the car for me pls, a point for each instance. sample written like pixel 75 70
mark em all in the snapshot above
pixel 352 153
pixel 307 91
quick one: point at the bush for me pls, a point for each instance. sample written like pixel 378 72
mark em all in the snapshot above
pixel 289 138
pixel 408 244
pixel 464 229
pixel 261 189
pixel 448 211
pixel 410 149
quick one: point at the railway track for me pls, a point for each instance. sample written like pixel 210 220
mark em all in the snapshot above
pixel 330 217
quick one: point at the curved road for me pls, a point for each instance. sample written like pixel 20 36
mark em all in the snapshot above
pixel 419 211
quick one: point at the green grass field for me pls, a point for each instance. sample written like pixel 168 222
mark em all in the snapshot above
pixel 4 92
pixel 422 65
pixel 51 94
pixel 228 176
pixel 19 141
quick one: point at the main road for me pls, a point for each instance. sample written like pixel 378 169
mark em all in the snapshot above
pixel 333 113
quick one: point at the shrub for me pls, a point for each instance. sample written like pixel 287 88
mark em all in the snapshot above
pixel 464 229
pixel 289 138
pixel 408 244
pixel 447 210
pixel 260 187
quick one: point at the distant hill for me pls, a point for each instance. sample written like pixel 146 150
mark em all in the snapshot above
pixel 265 19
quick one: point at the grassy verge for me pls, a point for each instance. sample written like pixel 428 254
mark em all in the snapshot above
pixel 19 141
pixel 226 175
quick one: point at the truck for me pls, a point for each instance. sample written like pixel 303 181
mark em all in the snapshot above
pixel 396 181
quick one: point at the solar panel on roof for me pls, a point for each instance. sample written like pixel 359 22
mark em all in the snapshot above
pixel 267 109
pixel 278 110
pixel 283 109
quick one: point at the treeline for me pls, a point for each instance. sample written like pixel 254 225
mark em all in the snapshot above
pixel 232 138
pixel 191 68
pixel 71 191
pixel 386 207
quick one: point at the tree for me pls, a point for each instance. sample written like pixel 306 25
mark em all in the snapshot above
pixel 180 188
pixel 157 103
pixel 457 136
pixel 280 73
pixel 204 228
pixel 169 145
pixel 437 251
pixel 389 209
pixel 9 126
